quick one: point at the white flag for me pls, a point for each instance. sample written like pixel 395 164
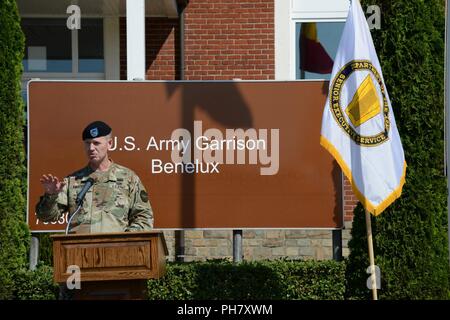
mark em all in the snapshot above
pixel 358 125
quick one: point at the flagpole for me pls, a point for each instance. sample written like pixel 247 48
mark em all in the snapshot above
pixel 373 277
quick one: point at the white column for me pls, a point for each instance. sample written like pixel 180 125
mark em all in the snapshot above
pixel 34 252
pixel 111 40
pixel 282 40
pixel 75 56
pixel 135 39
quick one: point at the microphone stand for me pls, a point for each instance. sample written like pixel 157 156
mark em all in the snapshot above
pixel 73 215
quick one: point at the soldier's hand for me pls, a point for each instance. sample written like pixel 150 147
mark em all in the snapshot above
pixel 51 184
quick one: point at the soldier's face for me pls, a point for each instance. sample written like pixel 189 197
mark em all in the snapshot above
pixel 97 149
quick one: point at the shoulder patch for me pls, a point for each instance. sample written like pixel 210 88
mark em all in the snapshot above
pixel 144 196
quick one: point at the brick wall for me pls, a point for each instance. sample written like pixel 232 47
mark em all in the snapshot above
pixel 228 39
pixel 350 200
pixel 224 39
pixel 162 48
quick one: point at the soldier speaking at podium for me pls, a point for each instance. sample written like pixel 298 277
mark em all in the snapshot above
pixel 110 197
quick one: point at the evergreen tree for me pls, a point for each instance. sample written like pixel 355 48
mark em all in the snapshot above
pixel 14 235
pixel 410 237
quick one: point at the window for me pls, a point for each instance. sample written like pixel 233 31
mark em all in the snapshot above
pixel 327 17
pixel 48 45
pixel 316 47
pixel 90 46
pixel 54 51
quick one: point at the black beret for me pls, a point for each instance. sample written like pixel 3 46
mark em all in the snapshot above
pixel 96 129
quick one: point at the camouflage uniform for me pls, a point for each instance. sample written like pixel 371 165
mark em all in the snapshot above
pixel 116 202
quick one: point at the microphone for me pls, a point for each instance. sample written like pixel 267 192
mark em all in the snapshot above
pixel 79 200
pixel 82 194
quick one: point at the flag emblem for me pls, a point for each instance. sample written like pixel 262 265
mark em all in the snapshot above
pixel 365 104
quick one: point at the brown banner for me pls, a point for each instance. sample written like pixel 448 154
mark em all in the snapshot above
pixel 252 148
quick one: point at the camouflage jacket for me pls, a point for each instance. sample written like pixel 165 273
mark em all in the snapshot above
pixel 116 202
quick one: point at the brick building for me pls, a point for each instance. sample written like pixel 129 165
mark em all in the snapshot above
pixel 192 40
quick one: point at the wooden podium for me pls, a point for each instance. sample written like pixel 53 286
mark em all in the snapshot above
pixel 112 265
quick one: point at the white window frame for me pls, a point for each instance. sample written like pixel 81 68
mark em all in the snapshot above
pixel 286 16
pixel 294 44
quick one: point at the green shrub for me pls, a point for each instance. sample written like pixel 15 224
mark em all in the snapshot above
pixel 218 279
pixel 410 237
pixel 14 235
pixel 280 279
pixel 35 285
